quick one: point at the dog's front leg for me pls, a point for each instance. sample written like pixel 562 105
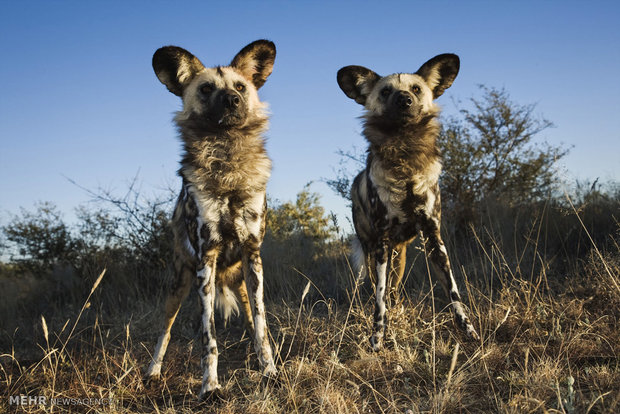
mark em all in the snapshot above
pixel 380 318
pixel 206 290
pixel 253 274
pixel 441 265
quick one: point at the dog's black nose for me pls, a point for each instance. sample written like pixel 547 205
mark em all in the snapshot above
pixel 231 100
pixel 404 100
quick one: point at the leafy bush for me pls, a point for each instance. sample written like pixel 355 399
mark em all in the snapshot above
pixel 305 217
pixel 38 240
pixel 489 152
pixel 134 233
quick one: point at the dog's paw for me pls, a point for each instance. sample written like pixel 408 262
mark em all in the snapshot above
pixel 213 395
pixel 270 370
pixel 465 325
pixel 150 381
pixel 471 333
pixel 270 376
pixel 376 342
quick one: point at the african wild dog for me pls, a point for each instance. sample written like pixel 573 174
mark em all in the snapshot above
pixel 219 218
pixel 397 195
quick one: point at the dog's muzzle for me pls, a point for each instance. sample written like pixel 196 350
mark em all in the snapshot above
pixel 230 109
pixel 403 100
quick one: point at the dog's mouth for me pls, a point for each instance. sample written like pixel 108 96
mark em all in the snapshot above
pixel 214 122
pixel 393 122
pixel 227 120
pixel 399 116
pixel 222 120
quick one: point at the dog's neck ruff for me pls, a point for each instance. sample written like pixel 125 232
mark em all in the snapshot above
pixel 225 161
pixel 404 151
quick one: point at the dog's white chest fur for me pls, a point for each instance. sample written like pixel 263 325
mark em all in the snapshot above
pixel 245 218
pixel 392 191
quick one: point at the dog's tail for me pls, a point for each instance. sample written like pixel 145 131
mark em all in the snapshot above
pixel 358 259
pixel 226 302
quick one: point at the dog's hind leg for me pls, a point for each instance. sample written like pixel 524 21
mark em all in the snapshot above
pixel 380 317
pixel 173 304
pixel 206 290
pixel 397 270
pixel 441 264
pixel 253 274
pixel 242 295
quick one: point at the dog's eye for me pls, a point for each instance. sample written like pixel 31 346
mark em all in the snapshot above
pixel 385 92
pixel 240 87
pixel 207 88
pixel 415 89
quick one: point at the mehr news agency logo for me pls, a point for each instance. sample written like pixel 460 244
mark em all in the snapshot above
pixel 22 400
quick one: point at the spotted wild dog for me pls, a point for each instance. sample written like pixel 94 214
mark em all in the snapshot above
pixel 219 218
pixel 397 195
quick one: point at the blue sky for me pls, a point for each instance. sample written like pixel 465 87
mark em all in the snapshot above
pixel 80 100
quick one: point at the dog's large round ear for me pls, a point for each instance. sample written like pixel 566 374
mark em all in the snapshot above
pixel 255 61
pixel 357 82
pixel 175 67
pixel 439 72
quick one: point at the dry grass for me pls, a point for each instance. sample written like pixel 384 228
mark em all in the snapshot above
pixel 549 345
